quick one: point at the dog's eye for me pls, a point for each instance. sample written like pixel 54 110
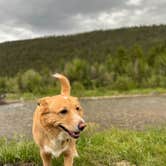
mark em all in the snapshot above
pixel 78 108
pixel 64 111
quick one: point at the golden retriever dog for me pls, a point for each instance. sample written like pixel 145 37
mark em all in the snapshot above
pixel 57 123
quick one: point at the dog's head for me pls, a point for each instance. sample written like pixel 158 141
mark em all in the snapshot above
pixel 62 112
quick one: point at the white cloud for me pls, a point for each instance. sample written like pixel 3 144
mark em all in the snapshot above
pixel 21 19
pixel 8 32
pixel 103 20
pixel 134 2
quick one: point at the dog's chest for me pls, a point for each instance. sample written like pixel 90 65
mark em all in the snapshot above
pixel 59 145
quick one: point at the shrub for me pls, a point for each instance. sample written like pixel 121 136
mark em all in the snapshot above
pixel 31 81
pixel 163 81
pixel 12 85
pixel 3 85
pixel 78 70
pixel 78 88
pixel 153 81
pixel 124 83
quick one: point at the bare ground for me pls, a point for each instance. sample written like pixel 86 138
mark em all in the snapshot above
pixel 134 112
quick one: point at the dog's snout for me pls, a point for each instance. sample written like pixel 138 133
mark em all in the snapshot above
pixel 81 126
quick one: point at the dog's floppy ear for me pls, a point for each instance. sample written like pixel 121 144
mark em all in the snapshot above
pixel 65 84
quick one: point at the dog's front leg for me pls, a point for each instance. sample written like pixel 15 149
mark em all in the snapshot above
pixel 46 158
pixel 68 159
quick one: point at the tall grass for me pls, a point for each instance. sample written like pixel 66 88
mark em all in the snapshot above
pixel 145 148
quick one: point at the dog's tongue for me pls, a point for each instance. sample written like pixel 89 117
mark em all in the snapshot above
pixel 74 134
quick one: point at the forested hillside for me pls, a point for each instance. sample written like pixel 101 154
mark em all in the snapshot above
pixel 117 59
pixel 55 52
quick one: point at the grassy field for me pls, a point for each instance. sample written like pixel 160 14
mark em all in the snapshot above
pixel 106 148
pixel 87 93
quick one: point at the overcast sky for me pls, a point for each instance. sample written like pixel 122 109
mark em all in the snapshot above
pixel 23 19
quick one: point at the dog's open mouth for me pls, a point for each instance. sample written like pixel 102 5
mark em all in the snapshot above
pixel 73 134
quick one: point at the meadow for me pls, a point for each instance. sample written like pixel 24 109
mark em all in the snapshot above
pixel 106 148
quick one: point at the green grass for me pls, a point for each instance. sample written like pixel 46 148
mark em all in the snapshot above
pixel 106 92
pixel 145 148
pixel 87 93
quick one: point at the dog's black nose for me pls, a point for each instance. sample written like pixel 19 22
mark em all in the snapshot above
pixel 81 126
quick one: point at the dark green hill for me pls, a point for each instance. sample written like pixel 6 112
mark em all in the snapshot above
pixel 54 52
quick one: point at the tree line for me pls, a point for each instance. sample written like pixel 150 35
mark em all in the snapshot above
pixel 125 69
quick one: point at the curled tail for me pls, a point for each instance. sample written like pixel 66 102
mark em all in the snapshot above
pixel 65 84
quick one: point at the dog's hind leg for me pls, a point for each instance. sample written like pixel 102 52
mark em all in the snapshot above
pixel 46 158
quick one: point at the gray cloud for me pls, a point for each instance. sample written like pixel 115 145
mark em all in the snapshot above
pixel 21 19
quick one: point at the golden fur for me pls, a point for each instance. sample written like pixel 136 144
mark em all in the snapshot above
pixel 57 123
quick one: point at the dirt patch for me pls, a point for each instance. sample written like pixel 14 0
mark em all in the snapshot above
pixel 124 112
pixel 127 112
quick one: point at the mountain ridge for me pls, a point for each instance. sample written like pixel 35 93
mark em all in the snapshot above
pixel 54 52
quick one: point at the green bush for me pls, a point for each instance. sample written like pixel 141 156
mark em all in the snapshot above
pixel 153 81
pixel 78 88
pixel 12 85
pixel 3 85
pixel 163 81
pixel 31 81
pixel 78 70
pixel 124 83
